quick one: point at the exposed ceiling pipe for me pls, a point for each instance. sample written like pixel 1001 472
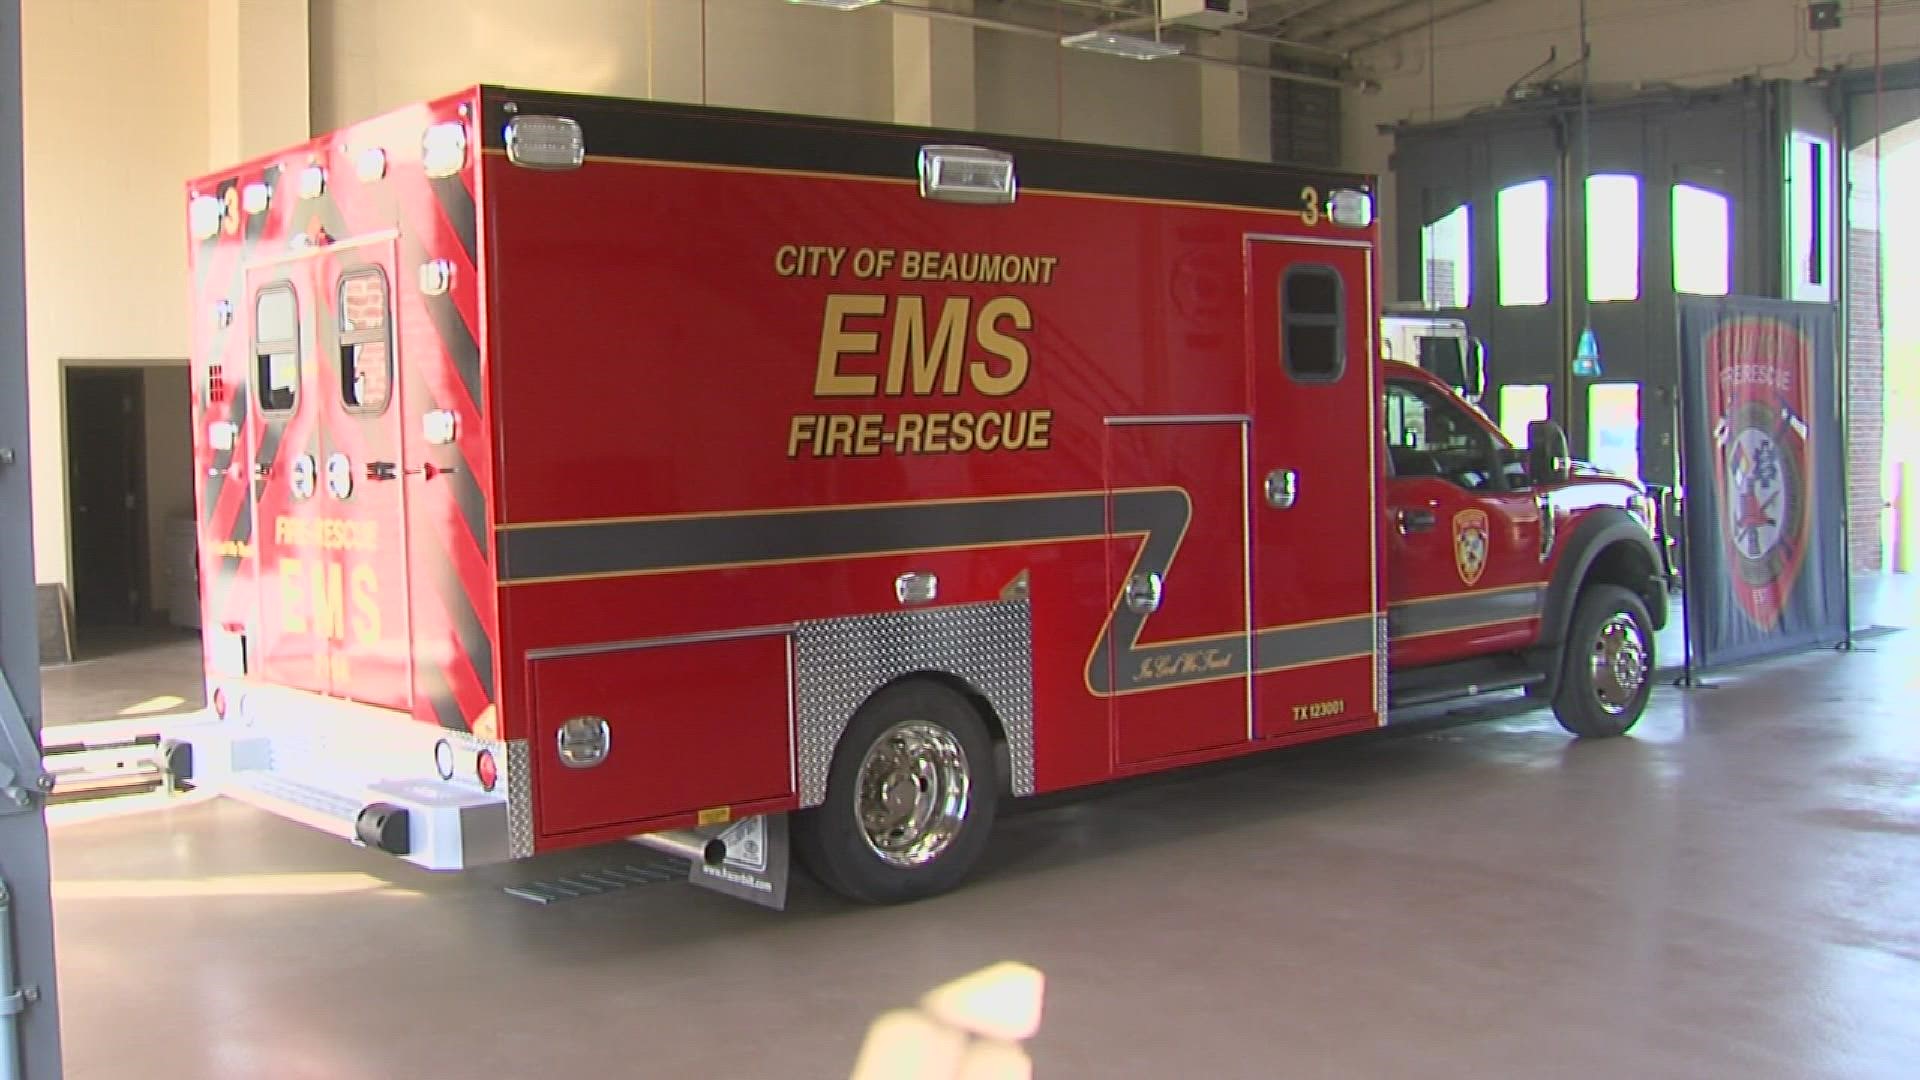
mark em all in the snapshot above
pixel 1376 14
pixel 1151 21
pixel 985 23
pixel 1288 18
pixel 1394 35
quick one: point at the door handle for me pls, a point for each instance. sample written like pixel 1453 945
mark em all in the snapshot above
pixel 1143 593
pixel 1415 520
pixel 1282 489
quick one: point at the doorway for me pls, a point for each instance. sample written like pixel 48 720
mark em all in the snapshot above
pixel 107 496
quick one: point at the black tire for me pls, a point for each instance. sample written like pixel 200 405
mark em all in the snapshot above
pixel 833 841
pixel 1598 705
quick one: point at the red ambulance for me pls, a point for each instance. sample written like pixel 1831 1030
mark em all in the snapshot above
pixel 574 469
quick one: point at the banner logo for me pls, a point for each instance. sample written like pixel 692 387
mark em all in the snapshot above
pixel 1759 374
pixel 1470 544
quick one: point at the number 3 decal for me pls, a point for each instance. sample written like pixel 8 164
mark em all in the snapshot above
pixel 1310 206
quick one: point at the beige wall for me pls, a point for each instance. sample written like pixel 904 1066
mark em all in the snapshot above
pixel 369 56
pixel 1032 86
pixel 115 120
pixel 1635 43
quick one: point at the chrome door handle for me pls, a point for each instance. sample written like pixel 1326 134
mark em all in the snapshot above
pixel 1413 521
pixel 1143 593
pixel 916 587
pixel 1282 489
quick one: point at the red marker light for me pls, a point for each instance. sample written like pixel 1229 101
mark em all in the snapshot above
pixel 220 702
pixel 489 771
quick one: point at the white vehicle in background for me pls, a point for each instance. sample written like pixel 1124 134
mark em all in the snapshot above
pixel 1438 343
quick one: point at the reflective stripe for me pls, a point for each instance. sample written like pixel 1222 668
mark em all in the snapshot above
pixel 1117 662
pixel 1418 618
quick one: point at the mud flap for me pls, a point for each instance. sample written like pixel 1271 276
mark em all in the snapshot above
pixel 745 859
pixel 754 866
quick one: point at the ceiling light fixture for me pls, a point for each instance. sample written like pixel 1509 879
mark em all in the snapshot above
pixel 837 5
pixel 1127 45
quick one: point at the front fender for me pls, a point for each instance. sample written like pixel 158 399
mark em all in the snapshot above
pixel 1612 539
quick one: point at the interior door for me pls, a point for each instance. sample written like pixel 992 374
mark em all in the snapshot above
pixel 107 492
pixel 365 482
pixel 283 459
pixel 1313 485
pixel 1176 647
pixel 1464 540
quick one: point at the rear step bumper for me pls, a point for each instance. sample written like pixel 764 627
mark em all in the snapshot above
pixel 431 824
pixel 365 775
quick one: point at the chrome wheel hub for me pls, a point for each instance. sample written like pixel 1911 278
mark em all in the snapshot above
pixel 914 787
pixel 1619 663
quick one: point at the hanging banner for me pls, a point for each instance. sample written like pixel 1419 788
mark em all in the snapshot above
pixel 1762 464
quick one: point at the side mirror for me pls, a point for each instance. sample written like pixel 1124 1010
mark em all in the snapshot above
pixel 1549 459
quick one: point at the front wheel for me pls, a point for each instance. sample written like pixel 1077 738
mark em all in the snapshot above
pixel 1606 672
pixel 910 798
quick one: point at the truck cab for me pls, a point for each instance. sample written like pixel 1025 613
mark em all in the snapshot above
pixel 1507 570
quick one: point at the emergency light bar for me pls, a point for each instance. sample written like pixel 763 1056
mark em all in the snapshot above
pixel 1346 206
pixel 313 182
pixel 443 149
pixel 371 164
pixel 203 216
pixel 545 142
pixel 966 174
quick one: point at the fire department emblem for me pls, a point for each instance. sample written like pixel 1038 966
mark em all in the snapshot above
pixel 1470 544
pixel 1759 372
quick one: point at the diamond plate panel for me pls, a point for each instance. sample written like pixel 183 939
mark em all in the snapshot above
pixel 839 663
pixel 519 799
pixel 1380 668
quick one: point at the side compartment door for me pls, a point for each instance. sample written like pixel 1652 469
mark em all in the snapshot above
pixel 1314 486
pixel 1175 652
pixel 282 444
pixel 366 480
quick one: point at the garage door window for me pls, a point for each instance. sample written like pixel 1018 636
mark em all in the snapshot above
pixel 1521 216
pixel 1613 237
pixel 1446 248
pixel 1702 241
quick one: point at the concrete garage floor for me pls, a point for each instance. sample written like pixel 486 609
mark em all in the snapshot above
pixel 125 674
pixel 1730 892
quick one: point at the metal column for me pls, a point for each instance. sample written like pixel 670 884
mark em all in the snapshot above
pixel 29 1020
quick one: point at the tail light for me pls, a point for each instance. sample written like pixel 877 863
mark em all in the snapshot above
pixel 220 702
pixel 488 769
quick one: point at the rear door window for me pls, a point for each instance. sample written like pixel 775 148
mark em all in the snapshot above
pixel 276 347
pixel 366 341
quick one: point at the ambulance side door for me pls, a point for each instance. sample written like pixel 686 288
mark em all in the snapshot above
pixel 366 482
pixel 1313 479
pixel 282 443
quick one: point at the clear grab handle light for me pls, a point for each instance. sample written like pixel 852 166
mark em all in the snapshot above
pixel 966 174
pixel 545 142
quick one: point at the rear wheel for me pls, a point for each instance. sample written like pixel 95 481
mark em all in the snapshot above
pixel 910 798
pixel 1606 672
